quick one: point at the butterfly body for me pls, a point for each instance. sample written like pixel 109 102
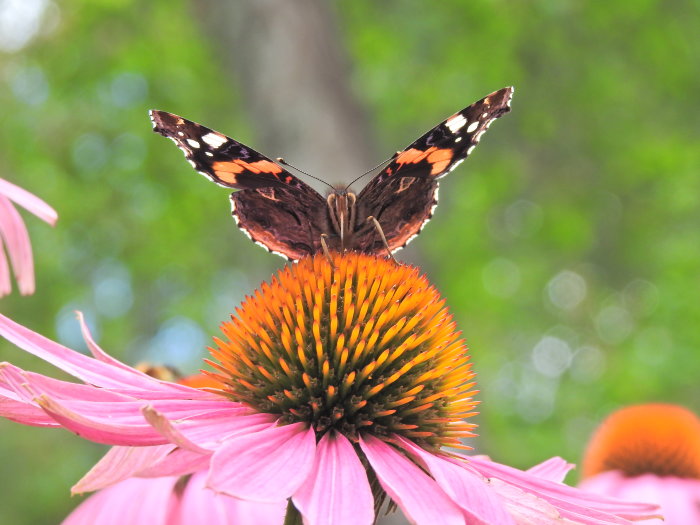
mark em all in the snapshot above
pixel 286 216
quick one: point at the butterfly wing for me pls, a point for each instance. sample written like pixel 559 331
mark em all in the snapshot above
pixel 274 208
pixel 403 196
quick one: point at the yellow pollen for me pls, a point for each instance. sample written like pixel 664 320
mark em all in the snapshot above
pixel 656 438
pixel 362 345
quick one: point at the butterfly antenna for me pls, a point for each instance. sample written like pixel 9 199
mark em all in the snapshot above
pixel 369 171
pixel 285 163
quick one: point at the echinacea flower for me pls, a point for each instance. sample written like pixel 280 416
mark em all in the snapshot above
pixel 14 237
pixel 339 384
pixel 171 500
pixel 648 453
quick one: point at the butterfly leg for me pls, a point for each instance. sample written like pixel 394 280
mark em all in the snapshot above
pixel 378 226
pixel 325 248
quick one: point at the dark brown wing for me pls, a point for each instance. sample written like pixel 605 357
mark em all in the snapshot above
pixel 274 208
pixel 285 221
pixel 403 196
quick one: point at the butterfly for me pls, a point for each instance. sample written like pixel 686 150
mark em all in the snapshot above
pixel 286 216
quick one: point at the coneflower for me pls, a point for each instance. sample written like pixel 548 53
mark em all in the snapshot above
pixel 339 383
pixel 648 453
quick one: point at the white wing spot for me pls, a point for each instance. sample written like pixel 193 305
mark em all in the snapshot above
pixel 208 153
pixel 214 140
pixel 477 137
pixel 181 133
pixel 469 151
pixel 484 115
pixel 458 139
pixel 193 143
pixel 472 127
pixel 456 123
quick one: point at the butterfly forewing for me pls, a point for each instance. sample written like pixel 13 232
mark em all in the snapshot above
pixel 220 158
pixel 403 196
pixel 273 207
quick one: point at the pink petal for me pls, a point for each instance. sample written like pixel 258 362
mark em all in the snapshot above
pixel 571 503
pixel 178 463
pixel 467 488
pixel 201 505
pixel 337 490
pixel 126 417
pixel 418 495
pixel 118 464
pixel 109 433
pixel 95 349
pixel 81 366
pixel 29 202
pixel 679 498
pixel 269 465
pixel 211 429
pixel 554 469
pixel 172 434
pixel 23 412
pixel 525 507
pixel 30 384
pixel 5 279
pixel 134 502
pixel 19 247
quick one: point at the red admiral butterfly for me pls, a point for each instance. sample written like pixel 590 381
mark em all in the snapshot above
pixel 286 216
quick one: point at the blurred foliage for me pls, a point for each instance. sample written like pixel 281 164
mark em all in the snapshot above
pixel 566 246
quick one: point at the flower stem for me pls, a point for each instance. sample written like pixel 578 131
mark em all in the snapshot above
pixel 293 516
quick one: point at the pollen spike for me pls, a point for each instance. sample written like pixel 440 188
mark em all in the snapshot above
pixel 358 344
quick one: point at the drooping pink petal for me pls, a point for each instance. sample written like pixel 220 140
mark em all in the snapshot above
pixel 554 469
pixel 118 464
pixel 95 349
pixel 466 488
pixel 5 278
pixel 203 505
pixel 83 367
pixel 101 431
pixel 337 490
pixel 526 508
pixel 19 247
pixel 168 430
pixel 134 501
pixel 20 411
pixel 158 461
pixel 28 385
pixel 267 466
pixel 123 423
pixel 28 201
pixel 571 503
pixel 418 495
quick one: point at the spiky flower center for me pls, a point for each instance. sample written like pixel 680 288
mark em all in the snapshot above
pixel 360 345
pixel 658 438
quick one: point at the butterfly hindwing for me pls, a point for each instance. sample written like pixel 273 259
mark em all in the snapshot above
pixel 403 196
pixel 286 221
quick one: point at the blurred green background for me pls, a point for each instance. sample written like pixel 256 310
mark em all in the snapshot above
pixel 566 246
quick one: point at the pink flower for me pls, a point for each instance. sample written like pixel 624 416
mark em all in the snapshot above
pixel 338 386
pixel 14 236
pixel 648 453
pixel 170 500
